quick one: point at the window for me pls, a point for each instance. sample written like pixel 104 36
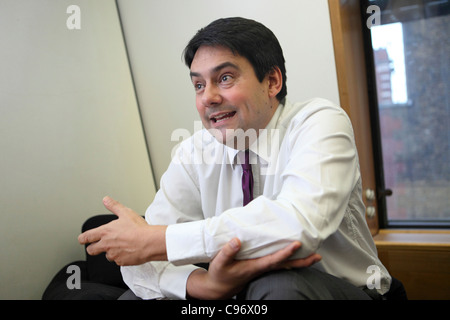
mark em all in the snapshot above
pixel 408 61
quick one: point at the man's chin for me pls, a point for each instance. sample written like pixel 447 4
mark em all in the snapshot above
pixel 235 138
pixel 222 136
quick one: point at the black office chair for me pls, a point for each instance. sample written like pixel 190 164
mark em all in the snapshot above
pixel 100 279
pixel 397 291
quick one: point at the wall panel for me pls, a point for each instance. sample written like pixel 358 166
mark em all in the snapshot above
pixel 70 133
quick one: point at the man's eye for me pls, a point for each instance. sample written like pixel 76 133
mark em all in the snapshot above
pixel 198 86
pixel 225 78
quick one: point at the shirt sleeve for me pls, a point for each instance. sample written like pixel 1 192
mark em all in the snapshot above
pixel 176 201
pixel 157 279
pixel 316 171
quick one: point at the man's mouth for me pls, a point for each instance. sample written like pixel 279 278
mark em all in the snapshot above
pixel 222 117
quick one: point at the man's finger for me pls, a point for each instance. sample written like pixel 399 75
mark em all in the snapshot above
pixel 227 254
pixel 114 206
pixel 282 255
pixel 95 248
pixel 280 259
pixel 304 262
pixel 90 236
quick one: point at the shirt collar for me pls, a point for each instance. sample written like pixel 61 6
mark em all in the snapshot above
pixel 262 146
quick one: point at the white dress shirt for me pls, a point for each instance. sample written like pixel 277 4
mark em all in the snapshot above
pixel 307 188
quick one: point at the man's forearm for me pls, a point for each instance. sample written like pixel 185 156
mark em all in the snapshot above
pixel 226 276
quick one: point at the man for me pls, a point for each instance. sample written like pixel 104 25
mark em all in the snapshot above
pixel 263 193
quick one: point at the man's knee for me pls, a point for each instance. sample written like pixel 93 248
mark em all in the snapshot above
pixel 300 284
pixel 279 285
pixel 128 295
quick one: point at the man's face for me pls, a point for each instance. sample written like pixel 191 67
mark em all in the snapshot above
pixel 229 96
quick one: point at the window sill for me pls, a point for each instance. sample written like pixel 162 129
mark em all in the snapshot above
pixel 420 239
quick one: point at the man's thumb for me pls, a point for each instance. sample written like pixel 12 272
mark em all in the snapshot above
pixel 114 206
pixel 235 244
pixel 230 249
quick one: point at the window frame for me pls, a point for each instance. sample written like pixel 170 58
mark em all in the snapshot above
pixel 351 77
pixel 381 190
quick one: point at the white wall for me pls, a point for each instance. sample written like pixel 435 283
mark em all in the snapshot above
pixel 157 32
pixel 70 133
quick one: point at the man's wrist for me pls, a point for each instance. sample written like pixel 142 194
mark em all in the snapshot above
pixel 200 286
pixel 155 247
pixel 195 285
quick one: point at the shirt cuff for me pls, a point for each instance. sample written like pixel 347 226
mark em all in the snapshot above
pixel 173 281
pixel 184 243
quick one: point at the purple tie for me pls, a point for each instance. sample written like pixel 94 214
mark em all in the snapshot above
pixel 247 179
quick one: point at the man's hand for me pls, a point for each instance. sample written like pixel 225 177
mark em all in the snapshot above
pixel 128 240
pixel 227 276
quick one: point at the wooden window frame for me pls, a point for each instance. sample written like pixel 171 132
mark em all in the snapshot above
pixel 349 53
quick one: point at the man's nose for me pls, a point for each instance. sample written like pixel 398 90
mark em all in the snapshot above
pixel 211 96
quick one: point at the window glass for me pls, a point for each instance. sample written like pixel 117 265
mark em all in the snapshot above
pixel 411 55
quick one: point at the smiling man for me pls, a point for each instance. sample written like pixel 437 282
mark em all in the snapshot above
pixel 284 224
pixel 229 96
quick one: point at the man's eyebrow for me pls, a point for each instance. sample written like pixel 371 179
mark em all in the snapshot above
pixel 216 69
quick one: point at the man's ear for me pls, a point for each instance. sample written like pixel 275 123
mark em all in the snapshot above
pixel 275 79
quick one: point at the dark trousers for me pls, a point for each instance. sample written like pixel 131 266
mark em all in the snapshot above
pixel 301 284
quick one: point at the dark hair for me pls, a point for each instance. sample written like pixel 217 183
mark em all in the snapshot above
pixel 247 38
